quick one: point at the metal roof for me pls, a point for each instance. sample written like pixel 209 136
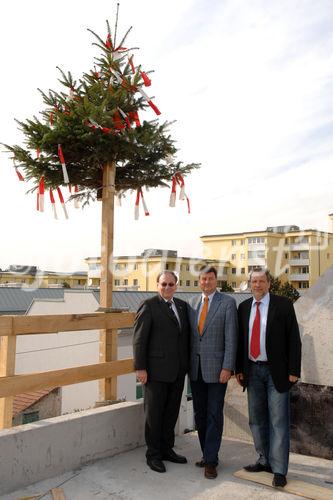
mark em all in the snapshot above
pixel 18 300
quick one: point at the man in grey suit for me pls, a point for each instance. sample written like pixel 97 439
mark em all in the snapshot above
pixel 213 318
pixel 161 357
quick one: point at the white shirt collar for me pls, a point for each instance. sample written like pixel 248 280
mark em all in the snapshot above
pixel 210 297
pixel 264 300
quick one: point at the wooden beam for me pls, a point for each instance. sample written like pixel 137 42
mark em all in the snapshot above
pixel 18 384
pixel 293 486
pixel 108 347
pixel 7 368
pixel 58 494
pixel 6 325
pixel 54 323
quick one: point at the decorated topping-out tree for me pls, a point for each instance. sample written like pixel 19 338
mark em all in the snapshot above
pixel 98 121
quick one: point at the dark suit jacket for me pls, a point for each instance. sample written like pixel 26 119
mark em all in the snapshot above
pixel 160 345
pixel 283 344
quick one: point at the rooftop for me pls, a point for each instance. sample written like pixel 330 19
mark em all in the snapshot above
pixel 127 477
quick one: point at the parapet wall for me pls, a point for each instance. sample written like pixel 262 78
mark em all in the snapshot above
pixel 36 451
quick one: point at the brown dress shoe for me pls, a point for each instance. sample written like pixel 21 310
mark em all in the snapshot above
pixel 210 472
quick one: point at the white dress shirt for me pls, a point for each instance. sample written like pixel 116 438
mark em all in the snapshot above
pixel 174 308
pixel 263 308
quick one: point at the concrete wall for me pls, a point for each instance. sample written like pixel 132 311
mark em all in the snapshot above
pixel 44 449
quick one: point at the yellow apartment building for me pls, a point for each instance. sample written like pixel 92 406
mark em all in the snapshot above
pixel 32 277
pixel 139 272
pixel 292 254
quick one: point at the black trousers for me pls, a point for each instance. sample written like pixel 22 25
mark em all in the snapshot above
pixel 161 406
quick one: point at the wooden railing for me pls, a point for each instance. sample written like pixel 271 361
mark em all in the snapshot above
pixel 12 326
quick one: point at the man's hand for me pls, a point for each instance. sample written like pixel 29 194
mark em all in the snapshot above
pixel 224 376
pixel 141 376
pixel 293 378
pixel 240 378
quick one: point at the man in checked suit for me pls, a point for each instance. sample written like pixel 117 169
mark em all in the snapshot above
pixel 161 359
pixel 213 318
pixel 268 364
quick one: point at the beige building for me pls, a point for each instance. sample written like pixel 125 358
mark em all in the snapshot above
pixel 139 272
pixel 32 277
pixel 292 254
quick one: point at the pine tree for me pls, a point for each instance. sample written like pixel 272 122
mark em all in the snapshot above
pixel 96 120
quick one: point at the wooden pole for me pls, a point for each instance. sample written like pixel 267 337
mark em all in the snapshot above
pixel 108 338
pixel 7 368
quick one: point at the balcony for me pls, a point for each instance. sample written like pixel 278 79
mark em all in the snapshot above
pixel 299 277
pixel 257 261
pixel 299 262
pixel 299 246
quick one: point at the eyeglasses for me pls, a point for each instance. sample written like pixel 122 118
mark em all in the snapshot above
pixel 167 284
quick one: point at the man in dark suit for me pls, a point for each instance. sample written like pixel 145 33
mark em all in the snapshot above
pixel 161 358
pixel 213 318
pixel 268 364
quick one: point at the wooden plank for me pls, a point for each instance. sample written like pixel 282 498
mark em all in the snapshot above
pixel 55 323
pixel 18 384
pixel 294 486
pixel 108 339
pixel 58 494
pixel 7 368
pixel 6 325
pixel 108 352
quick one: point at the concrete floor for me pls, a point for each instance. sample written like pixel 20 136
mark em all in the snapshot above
pixel 127 477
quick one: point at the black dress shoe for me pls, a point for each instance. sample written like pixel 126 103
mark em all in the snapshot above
pixel 279 480
pixel 200 463
pixel 258 468
pixel 172 456
pixel 156 464
pixel 210 472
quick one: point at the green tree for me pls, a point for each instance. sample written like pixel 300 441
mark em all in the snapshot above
pixel 226 287
pixel 284 289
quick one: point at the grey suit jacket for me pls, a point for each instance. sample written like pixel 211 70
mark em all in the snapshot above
pixel 216 347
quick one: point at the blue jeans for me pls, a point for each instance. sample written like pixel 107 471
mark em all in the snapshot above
pixel 208 401
pixel 269 419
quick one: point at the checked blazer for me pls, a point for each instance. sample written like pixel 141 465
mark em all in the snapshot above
pixel 216 347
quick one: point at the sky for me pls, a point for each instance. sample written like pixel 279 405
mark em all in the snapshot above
pixel 249 84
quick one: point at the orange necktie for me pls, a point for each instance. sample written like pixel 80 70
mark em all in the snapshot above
pixel 203 315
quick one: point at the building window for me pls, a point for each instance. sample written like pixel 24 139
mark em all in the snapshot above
pixel 125 281
pixel 219 283
pixel 233 256
pixel 233 243
pixel 117 267
pixel 30 416
pixel 256 239
pixel 195 283
pixel 256 254
pixel 243 270
pixel 286 255
pixel 242 256
pixel 180 282
pixel 233 284
pixel 166 266
pixel 135 267
pixel 242 242
pixel 233 270
pixel 286 271
pixel 117 282
pixel 135 282
pixel 188 283
pixel 303 284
